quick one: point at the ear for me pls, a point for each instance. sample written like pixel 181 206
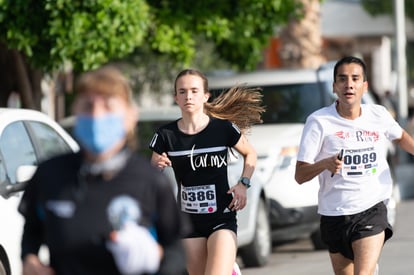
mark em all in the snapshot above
pixel 206 96
pixel 365 86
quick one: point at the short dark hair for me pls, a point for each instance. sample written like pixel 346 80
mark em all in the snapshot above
pixel 349 60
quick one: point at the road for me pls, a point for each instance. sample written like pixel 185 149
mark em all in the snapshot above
pixel 298 258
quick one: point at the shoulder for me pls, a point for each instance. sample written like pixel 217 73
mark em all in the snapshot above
pixel 169 126
pixel 321 113
pixel 374 108
pixel 218 122
pixel 224 126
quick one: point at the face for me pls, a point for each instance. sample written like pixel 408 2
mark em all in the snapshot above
pixel 190 94
pixel 103 122
pixel 349 84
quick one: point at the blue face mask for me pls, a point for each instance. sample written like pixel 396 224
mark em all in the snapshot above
pixel 98 134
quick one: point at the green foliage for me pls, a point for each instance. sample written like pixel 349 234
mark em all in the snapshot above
pixel 377 7
pixel 92 32
pixel 240 29
pixel 88 32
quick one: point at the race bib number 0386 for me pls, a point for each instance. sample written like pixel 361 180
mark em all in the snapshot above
pixel 199 199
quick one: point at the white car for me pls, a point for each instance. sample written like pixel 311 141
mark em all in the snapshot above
pixel 289 95
pixel 26 138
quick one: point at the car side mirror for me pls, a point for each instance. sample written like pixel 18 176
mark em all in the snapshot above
pixel 23 174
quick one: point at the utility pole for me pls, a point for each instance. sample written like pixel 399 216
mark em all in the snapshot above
pixel 399 15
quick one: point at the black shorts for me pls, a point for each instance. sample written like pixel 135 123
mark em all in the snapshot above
pixel 338 232
pixel 204 228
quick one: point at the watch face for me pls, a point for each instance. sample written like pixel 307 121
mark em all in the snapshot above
pixel 245 181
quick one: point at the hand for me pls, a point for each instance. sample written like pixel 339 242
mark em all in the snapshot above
pixel 239 197
pixel 33 266
pixel 162 161
pixel 134 249
pixel 334 164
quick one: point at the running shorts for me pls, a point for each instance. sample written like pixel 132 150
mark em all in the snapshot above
pixel 204 228
pixel 338 232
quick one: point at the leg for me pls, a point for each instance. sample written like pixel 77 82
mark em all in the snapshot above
pixel 341 265
pixel 196 252
pixel 367 252
pixel 222 249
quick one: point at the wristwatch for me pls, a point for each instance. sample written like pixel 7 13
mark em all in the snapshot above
pixel 245 181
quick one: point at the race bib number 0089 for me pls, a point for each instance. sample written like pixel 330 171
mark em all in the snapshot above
pixel 359 162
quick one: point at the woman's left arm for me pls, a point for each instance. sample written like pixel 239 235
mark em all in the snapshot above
pixel 244 147
pixel 240 190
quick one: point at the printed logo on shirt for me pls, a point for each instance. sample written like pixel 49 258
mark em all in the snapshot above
pixel 61 208
pixel 204 157
pixel 359 136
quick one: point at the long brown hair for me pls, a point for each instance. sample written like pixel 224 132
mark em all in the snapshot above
pixel 241 104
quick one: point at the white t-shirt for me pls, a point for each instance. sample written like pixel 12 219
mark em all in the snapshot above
pixel 365 177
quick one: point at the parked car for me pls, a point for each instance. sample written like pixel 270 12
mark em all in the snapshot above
pixel 253 232
pixel 27 137
pixel 289 96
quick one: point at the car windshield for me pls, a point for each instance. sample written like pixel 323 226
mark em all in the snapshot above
pixel 291 103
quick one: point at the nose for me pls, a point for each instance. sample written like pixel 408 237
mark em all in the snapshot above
pixel 188 95
pixel 349 82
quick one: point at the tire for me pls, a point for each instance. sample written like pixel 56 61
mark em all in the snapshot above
pixel 4 262
pixel 256 254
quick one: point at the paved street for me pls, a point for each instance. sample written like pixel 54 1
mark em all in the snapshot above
pixel 298 258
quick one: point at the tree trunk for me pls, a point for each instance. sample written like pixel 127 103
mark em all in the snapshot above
pixel 16 75
pixel 301 40
pixel 23 82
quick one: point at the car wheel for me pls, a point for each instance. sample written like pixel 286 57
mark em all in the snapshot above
pixel 4 262
pixel 257 253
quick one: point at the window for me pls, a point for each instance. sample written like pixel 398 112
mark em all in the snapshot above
pixel 49 142
pixel 291 103
pixel 16 149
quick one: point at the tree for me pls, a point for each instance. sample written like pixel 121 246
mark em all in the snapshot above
pixel 38 37
pixel 301 39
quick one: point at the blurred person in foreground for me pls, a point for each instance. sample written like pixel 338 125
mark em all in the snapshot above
pixel 196 146
pixel 343 144
pixel 105 209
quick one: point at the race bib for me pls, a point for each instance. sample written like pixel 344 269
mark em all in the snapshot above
pixel 199 199
pixel 359 162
